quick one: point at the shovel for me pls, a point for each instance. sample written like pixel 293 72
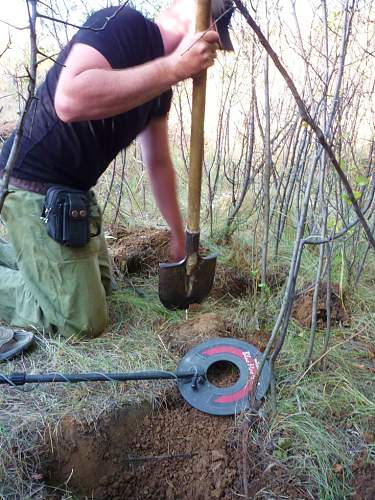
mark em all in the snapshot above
pixel 190 280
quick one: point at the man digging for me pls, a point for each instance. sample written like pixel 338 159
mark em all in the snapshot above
pixel 110 85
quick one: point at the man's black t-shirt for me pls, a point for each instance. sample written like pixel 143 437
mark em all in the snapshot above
pixel 76 154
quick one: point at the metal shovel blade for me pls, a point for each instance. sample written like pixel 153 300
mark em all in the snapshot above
pixel 190 280
pixel 177 290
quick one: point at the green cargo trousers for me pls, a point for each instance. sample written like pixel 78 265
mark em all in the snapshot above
pixel 46 285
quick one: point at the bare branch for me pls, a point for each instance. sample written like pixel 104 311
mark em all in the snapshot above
pixel 306 117
pixel 7 46
pixel 4 181
pixel 13 26
pixel 50 58
pixel 66 23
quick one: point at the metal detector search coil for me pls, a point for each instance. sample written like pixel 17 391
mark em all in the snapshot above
pixel 191 376
pixel 207 397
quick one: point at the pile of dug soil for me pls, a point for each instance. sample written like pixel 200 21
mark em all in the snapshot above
pixel 138 251
pixel 237 283
pixel 175 453
pixel 231 283
pixel 182 337
pixel 302 308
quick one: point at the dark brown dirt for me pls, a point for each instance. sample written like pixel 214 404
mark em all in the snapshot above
pixel 223 374
pixel 177 453
pixel 138 251
pixel 364 486
pixel 364 478
pixel 182 337
pixel 231 283
pixel 173 453
pixel 302 308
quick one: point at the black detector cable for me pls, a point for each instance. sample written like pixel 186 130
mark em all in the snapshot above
pixel 17 379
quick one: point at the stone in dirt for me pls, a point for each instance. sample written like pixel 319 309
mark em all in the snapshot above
pixel 302 308
pixel 173 453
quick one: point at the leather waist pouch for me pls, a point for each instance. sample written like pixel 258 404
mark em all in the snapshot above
pixel 66 213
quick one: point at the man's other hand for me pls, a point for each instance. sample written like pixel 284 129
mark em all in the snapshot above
pixel 195 54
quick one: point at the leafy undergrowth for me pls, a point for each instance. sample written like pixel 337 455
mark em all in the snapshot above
pixel 325 419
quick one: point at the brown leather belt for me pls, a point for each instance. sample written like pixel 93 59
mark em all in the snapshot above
pixel 33 186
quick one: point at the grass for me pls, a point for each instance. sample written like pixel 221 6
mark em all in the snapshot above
pixel 319 429
pixel 322 417
pixel 28 414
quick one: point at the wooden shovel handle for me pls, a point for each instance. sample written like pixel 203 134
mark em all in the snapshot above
pixel 203 19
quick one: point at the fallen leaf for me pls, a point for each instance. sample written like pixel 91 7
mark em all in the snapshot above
pixel 369 437
pixel 338 469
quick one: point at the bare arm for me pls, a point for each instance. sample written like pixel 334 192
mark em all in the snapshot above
pixel 156 155
pixel 89 89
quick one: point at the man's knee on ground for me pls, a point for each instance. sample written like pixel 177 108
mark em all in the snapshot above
pixel 89 324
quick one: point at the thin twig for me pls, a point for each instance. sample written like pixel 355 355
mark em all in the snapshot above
pixel 245 473
pixel 66 23
pixel 135 289
pixel 13 26
pixel 306 117
pixel 7 46
pixel 13 155
pixel 175 456
pixel 51 58
pixel 212 25
pixel 8 95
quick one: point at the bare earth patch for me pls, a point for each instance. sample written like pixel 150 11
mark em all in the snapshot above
pixel 302 308
pixel 174 453
pixel 182 337
pixel 231 283
pixel 364 477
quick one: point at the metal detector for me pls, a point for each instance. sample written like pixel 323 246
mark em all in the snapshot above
pixel 191 376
